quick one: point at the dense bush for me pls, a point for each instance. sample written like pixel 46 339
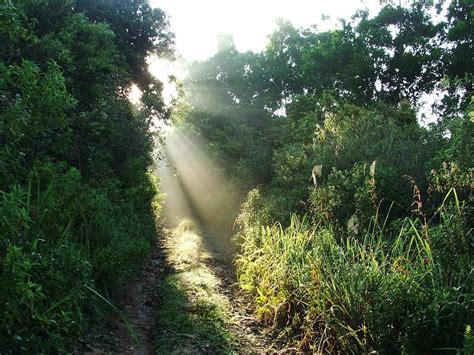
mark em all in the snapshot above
pixel 77 205
pixel 60 237
pixel 378 262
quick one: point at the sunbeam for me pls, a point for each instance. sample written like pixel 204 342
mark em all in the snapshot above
pixel 195 188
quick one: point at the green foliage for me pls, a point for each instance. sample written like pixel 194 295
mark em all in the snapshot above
pixel 345 195
pixel 34 118
pixel 352 136
pixel 402 43
pixel 139 30
pixel 359 274
pixel 369 160
pixel 254 212
pixel 58 236
pixel 77 202
pixel 459 32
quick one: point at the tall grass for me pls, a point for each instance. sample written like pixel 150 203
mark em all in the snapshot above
pixel 64 249
pixel 388 290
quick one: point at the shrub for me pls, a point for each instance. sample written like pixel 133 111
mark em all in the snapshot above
pixel 352 136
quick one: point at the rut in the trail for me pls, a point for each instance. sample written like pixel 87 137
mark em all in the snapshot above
pixel 140 298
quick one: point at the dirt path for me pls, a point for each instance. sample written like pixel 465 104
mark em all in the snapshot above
pixel 184 301
pixel 251 336
pixel 216 319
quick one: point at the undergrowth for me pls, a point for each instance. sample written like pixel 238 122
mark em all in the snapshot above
pixel 76 201
pixel 63 244
pixel 392 290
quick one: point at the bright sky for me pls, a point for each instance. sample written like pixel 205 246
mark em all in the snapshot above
pixel 197 23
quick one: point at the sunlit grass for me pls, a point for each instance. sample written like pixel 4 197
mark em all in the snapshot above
pixel 364 294
pixel 186 249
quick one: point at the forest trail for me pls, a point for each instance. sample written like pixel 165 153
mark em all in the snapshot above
pixel 185 300
pixel 203 309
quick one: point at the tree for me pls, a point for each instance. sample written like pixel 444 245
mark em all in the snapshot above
pixel 457 59
pixel 403 45
pixel 76 201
